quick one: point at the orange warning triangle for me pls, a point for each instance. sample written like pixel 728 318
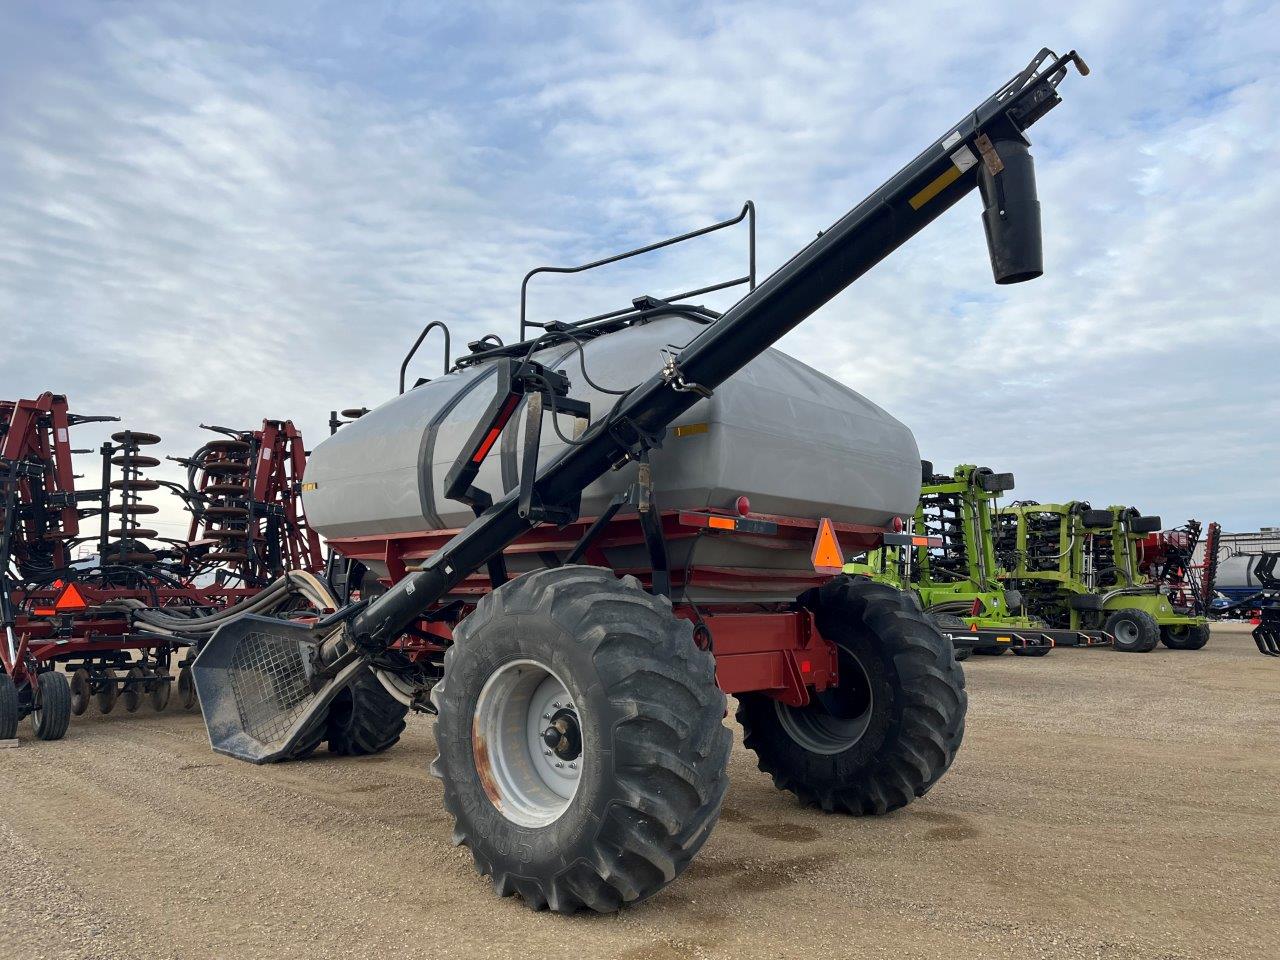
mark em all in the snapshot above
pixel 70 599
pixel 827 556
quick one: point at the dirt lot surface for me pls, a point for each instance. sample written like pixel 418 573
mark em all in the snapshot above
pixel 1104 805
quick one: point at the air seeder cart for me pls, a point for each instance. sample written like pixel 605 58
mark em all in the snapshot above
pixel 1078 569
pixel 580 715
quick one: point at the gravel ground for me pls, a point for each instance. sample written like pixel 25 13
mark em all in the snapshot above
pixel 1103 806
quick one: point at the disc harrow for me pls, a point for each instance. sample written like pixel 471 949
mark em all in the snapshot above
pixel 76 623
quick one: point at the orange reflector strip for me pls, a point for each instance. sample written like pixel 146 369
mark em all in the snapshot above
pixel 721 523
pixel 827 556
pixel 919 541
pixel 495 431
pixel 44 611
pixel 70 599
pixel 489 440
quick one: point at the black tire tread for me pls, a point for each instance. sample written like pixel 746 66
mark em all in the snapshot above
pixel 669 801
pixel 1196 637
pixel 365 719
pixel 933 713
pixel 55 706
pixel 1150 638
pixel 8 707
pixel 309 742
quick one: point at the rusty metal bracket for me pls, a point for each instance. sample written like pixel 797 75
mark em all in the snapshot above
pixel 989 156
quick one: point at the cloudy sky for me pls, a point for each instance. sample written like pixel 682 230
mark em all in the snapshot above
pixel 220 212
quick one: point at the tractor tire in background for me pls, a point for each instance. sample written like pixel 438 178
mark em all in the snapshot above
pixel 186 688
pixel 1136 631
pixel 993 651
pixel 583 751
pixel 1031 651
pixel 1192 636
pixel 8 708
pixel 892 727
pixel 950 623
pixel 310 740
pixel 52 714
pixel 364 718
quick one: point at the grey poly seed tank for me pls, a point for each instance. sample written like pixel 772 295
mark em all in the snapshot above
pixel 789 438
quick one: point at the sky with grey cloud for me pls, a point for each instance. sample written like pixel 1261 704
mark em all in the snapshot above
pixel 223 212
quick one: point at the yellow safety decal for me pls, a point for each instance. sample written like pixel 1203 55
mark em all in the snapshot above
pixel 944 180
pixel 309 486
pixel 690 429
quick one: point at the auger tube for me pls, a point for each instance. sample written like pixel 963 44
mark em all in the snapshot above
pixel 921 191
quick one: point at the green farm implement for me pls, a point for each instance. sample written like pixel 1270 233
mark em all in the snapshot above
pixel 1078 569
pixel 957 573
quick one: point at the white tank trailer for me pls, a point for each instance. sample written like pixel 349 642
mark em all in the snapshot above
pixel 792 440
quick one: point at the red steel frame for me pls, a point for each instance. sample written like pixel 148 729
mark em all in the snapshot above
pixel 777 651
pixel 38 429
pixel 1193 585
pixel 282 460
pixel 69 621
pixel 53 624
pixel 278 463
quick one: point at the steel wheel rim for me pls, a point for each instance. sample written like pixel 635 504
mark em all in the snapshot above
pixel 1126 631
pixel 530 783
pixel 817 729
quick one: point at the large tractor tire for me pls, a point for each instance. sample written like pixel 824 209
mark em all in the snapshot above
pixel 8 707
pixel 52 713
pixel 889 731
pixel 582 744
pixel 1191 636
pixel 1136 631
pixel 364 718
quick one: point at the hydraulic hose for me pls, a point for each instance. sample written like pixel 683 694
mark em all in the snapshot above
pixel 294 584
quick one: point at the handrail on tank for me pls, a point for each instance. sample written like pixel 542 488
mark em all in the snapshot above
pixel 748 213
pixel 417 343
